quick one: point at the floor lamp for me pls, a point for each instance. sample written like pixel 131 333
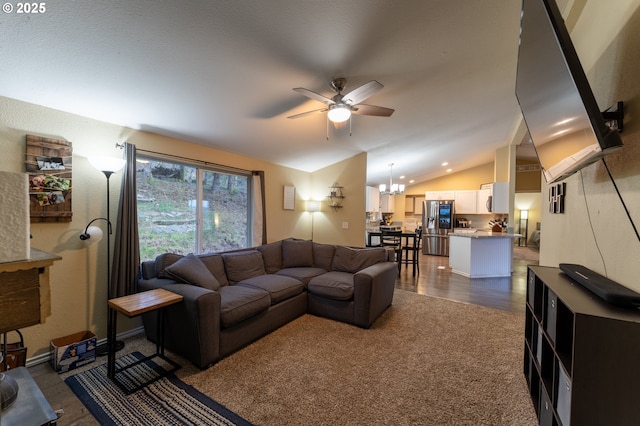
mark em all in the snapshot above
pixel 312 206
pixel 524 224
pixel 108 166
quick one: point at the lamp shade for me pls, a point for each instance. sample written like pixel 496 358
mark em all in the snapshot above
pixel 312 206
pixel 94 233
pixel 107 164
pixel 339 113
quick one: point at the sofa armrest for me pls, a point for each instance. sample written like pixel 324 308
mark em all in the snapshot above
pixel 373 291
pixel 192 328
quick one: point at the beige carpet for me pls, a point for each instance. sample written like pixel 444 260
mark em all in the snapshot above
pixel 426 361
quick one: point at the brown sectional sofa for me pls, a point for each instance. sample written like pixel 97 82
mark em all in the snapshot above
pixel 233 298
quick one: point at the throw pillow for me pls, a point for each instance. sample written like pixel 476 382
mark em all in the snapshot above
pixel 297 253
pixel 191 270
pixel 354 260
pixel 243 265
pixel 272 256
pixel 323 255
pixel 215 265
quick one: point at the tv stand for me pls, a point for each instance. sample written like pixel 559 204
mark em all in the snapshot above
pixel 581 353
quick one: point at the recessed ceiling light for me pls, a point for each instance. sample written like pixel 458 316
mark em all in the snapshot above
pixel 401 177
pixel 411 181
pixel 449 170
pixel 445 164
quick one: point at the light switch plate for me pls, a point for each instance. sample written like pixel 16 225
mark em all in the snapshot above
pixel 345 225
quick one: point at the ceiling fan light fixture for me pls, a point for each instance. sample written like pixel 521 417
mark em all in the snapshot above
pixel 339 113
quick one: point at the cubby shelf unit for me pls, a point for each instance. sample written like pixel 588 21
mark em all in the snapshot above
pixel 581 354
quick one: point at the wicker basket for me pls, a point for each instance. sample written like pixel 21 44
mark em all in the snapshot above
pixel 12 355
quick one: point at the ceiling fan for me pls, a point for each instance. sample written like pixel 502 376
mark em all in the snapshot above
pixel 340 107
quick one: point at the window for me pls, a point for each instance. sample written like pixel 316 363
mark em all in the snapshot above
pixel 188 208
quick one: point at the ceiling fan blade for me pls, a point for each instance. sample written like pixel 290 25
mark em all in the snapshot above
pixel 313 95
pixel 302 114
pixel 363 109
pixel 361 93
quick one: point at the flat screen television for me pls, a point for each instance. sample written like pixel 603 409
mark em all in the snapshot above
pixel 566 126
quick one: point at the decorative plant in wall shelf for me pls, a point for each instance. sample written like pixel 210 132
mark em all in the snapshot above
pixel 335 196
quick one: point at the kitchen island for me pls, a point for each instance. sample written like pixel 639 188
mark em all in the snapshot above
pixel 481 254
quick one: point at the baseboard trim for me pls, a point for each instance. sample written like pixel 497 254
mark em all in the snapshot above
pixel 46 357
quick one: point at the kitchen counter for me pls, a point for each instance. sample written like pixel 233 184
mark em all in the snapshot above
pixel 481 254
pixel 484 234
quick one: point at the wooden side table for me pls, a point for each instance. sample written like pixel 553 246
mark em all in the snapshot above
pixel 131 306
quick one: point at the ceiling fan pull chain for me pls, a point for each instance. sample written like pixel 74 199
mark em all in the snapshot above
pixel 349 125
pixel 327 127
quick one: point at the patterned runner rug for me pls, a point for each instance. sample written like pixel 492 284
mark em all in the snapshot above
pixel 167 401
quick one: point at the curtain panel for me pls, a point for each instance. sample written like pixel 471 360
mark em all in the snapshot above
pixel 126 252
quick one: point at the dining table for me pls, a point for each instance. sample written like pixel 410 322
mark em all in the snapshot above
pixel 407 239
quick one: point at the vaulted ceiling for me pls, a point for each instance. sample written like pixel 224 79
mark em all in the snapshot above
pixel 221 73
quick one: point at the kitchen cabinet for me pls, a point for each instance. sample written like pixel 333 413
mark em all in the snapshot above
pixel 481 254
pixel 476 201
pixel 466 202
pixel 372 199
pixel 439 195
pixel 500 194
pixel 387 203
pixel 413 204
pixel 417 206
pixel 409 204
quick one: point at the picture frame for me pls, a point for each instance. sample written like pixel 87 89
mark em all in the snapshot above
pixel 49 165
pixel 289 198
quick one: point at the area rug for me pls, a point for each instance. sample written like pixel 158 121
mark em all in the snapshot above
pixel 167 401
pixel 425 361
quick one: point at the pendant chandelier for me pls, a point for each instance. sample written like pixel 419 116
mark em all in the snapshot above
pixel 394 188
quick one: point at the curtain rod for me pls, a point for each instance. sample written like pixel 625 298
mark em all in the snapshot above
pixel 191 160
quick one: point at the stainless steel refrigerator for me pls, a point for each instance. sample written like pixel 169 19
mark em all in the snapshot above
pixel 437 222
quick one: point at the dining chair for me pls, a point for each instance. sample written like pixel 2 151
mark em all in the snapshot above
pixel 393 239
pixel 410 249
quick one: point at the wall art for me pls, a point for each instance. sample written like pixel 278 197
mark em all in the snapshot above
pixel 49 165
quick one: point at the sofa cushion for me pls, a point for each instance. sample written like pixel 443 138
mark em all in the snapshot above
pixel 303 274
pixel 297 253
pixel 353 260
pixel 215 265
pixel 332 285
pixel 164 260
pixel 272 256
pixel 190 269
pixel 238 303
pixel 323 255
pixel 243 264
pixel 279 287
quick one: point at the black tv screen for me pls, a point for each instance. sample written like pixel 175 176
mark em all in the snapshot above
pixel 566 126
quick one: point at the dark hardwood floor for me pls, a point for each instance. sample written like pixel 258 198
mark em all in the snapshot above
pixel 434 279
